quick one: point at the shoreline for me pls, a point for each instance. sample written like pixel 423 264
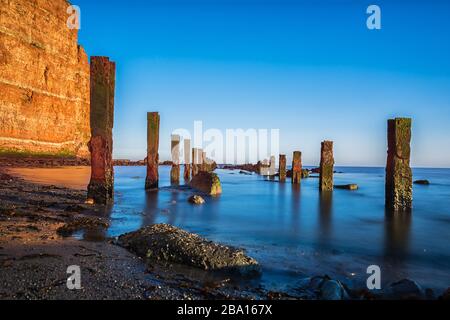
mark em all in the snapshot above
pixel 34 254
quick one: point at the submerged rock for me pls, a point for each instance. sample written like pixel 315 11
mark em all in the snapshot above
pixel 446 295
pixel 404 290
pixel 82 223
pixel 305 173
pixel 196 199
pixel 332 290
pixel 328 289
pixel 207 182
pixel 351 187
pixel 165 243
pixel 422 182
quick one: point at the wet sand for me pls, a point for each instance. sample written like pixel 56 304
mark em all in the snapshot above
pixel 76 178
pixel 35 254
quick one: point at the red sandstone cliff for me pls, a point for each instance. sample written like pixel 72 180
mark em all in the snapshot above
pixel 44 80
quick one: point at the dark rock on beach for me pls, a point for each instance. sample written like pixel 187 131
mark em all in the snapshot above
pixel 328 289
pixel 82 223
pixel 405 289
pixel 446 295
pixel 165 243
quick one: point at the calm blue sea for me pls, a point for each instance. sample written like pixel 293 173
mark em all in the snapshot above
pixel 295 232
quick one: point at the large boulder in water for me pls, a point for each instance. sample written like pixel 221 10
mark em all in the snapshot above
pixel 207 182
pixel 165 243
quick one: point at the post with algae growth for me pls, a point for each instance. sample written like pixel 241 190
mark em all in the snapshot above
pixel 197 161
pixel 175 171
pixel 102 90
pixel 398 171
pixel 326 166
pixel 282 168
pixel 297 167
pixel 152 180
pixel 187 160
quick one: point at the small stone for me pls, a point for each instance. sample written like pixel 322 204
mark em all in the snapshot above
pixel 196 199
pixel 446 295
pixel 405 289
pixel 422 182
pixel 90 201
pixel 332 290
pixel 351 187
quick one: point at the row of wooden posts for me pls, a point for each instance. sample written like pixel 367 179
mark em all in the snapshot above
pixel 398 171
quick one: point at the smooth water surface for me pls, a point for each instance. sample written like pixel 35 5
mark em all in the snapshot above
pixel 296 232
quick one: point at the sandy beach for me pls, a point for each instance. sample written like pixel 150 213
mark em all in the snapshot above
pixel 76 178
pixel 37 205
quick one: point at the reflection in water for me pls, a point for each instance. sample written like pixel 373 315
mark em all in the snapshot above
pixel 296 195
pixel 325 216
pixel 172 211
pixel 150 208
pixel 280 224
pixel 396 236
pixel 98 233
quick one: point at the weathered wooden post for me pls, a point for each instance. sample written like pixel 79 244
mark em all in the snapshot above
pixel 152 180
pixel 282 170
pixel 272 168
pixel 203 161
pixel 326 166
pixel 398 171
pixel 101 185
pixel 297 168
pixel 175 171
pixel 187 160
pixel 197 155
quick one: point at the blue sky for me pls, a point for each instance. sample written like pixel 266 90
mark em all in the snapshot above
pixel 310 68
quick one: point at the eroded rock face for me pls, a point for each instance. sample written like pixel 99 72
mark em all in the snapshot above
pixel 207 182
pixel 165 243
pixel 44 80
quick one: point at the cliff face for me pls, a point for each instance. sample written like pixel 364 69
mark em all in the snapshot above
pixel 44 80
